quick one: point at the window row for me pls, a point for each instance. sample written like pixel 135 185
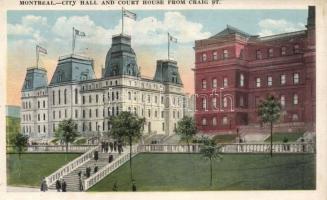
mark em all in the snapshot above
pixel 59 93
pixel 214 83
pixel 282 80
pixel 271 53
pixel 26 105
pixel 39 104
pixel 224 121
pixel 214 55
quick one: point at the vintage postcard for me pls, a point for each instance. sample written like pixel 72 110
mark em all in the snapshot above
pixel 177 99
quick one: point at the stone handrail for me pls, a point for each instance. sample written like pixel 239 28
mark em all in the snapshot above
pixel 71 166
pixel 110 167
pixel 232 148
pixel 56 148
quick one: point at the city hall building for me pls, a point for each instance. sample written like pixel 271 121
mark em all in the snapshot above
pixel 75 93
pixel 234 71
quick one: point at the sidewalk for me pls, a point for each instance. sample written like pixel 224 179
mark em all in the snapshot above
pixel 25 189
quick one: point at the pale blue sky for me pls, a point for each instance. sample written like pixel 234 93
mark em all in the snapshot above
pixel 53 31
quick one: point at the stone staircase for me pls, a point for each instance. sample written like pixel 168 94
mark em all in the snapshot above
pixel 72 178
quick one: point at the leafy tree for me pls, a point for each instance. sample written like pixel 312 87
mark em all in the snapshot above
pixel 211 151
pixel 186 129
pixel 20 142
pixel 128 128
pixel 66 132
pixel 269 111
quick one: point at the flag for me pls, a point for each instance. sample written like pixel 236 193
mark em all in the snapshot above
pixel 129 14
pixel 172 39
pixel 79 33
pixel 41 49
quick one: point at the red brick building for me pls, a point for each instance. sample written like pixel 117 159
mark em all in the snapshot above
pixel 235 70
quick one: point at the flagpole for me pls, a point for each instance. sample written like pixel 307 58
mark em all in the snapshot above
pixel 122 20
pixel 37 56
pixel 73 43
pixel 168 46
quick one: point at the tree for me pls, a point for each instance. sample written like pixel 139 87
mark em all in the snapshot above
pixel 269 111
pixel 186 129
pixel 210 150
pixel 127 127
pixel 67 133
pixel 20 142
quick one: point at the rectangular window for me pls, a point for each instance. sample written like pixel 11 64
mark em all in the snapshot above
pixel 282 100
pixel 258 55
pixel 295 99
pixel 296 78
pixel 225 82
pixel 76 113
pixel 215 55
pixel 225 54
pixel 283 79
pixel 271 52
pixel 204 84
pixel 83 99
pixel 163 126
pixel 204 57
pixel 269 80
pixel 241 80
pixel 296 48
pixel 283 51
pixel 214 83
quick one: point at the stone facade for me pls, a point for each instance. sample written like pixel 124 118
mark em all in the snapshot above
pixel 74 92
pixel 234 71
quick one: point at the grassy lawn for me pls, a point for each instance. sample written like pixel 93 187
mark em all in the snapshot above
pixel 279 137
pixel 182 172
pixel 230 138
pixel 34 167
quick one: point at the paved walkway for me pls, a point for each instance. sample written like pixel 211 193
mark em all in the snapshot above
pixel 25 189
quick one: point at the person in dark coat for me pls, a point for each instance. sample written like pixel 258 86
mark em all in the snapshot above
pixel 106 147
pixel 80 174
pixel 58 185
pixel 115 187
pixel 81 188
pixel 88 172
pixel 95 168
pixel 111 158
pixel 96 155
pixel 111 145
pixel 115 145
pixel 102 147
pixel 44 186
pixel 63 186
pixel 134 187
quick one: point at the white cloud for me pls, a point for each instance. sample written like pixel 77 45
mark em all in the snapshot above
pixel 30 25
pixel 147 31
pixel 272 26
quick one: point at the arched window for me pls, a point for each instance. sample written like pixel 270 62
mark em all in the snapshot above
pixel 53 97
pixel 65 96
pixel 295 99
pixel 214 103
pixel 214 83
pixel 225 102
pixel 76 97
pixel 59 99
pixel 204 103
pixel 241 80
pixel 204 121
pixel 214 121
pixel 282 100
pixel 225 54
pixel 225 120
pixel 204 84
pixel 295 117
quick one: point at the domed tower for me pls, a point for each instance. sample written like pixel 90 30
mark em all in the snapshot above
pixel 121 58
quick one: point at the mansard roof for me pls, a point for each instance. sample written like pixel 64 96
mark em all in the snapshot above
pixel 35 78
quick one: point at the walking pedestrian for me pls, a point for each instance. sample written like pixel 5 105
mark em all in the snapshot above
pixel 115 145
pixel 96 155
pixel 58 185
pixel 106 147
pixel 63 186
pixel 81 188
pixel 115 187
pixel 44 186
pixel 95 168
pixel 111 158
pixel 134 186
pixel 111 145
pixel 80 174
pixel 88 172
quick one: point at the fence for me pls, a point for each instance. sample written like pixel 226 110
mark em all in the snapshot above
pixel 71 166
pixel 232 148
pixel 55 148
pixel 106 170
